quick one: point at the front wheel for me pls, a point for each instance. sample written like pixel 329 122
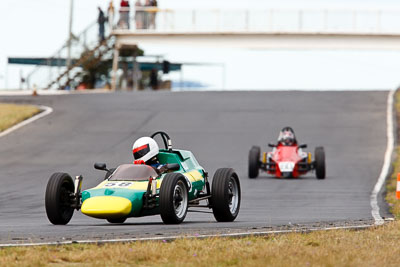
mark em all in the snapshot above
pixel 320 162
pixel 254 161
pixel 225 197
pixel 58 199
pixel 174 198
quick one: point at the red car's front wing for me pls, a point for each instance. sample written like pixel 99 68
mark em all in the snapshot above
pixel 287 154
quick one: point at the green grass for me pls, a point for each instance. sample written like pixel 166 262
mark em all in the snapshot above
pixel 374 247
pixel 11 114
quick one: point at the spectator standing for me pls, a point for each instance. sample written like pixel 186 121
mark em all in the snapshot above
pixel 110 15
pixel 124 15
pixel 153 14
pixel 124 3
pixel 154 79
pixel 146 21
pixel 139 15
pixel 101 20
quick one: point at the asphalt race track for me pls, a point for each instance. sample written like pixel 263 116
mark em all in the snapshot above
pixel 219 128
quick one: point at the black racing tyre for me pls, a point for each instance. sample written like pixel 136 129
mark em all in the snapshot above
pixel 174 198
pixel 117 220
pixel 320 162
pixel 254 161
pixel 111 171
pixel 60 188
pixel 225 195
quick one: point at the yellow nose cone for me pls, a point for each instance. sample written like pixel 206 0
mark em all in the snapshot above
pixel 106 207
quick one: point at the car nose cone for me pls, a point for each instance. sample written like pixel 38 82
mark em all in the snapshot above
pixel 106 207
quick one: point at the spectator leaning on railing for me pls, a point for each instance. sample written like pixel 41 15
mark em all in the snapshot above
pixel 146 21
pixel 139 16
pixel 153 14
pixel 123 22
pixel 145 15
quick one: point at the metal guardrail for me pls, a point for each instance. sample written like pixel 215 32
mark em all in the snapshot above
pixel 358 21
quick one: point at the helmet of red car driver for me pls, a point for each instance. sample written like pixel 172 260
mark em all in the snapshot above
pixel 287 138
pixel 145 148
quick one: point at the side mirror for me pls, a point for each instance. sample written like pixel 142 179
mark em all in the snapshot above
pixel 173 166
pixel 271 145
pixel 100 166
pixel 303 146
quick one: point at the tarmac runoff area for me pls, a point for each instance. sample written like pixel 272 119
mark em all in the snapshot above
pixel 219 128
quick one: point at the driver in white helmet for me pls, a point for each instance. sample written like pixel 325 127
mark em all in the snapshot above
pixel 145 151
pixel 287 137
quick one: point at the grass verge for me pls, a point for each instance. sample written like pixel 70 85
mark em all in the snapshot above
pixel 373 247
pixel 11 114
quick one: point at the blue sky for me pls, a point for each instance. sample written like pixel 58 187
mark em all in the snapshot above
pixel 39 27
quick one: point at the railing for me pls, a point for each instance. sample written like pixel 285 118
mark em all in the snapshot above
pixel 358 21
pixel 41 76
pixel 154 20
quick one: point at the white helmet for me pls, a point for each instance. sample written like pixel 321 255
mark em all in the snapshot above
pixel 145 148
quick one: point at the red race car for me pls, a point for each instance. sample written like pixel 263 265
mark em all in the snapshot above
pixel 287 158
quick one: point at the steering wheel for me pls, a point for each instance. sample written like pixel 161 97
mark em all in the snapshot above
pixel 166 139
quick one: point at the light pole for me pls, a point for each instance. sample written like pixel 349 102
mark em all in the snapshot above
pixel 71 15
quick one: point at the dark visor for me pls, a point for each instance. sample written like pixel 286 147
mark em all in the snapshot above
pixel 141 151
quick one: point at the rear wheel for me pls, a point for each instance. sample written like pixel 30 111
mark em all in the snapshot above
pixel 320 162
pixel 254 161
pixel 117 220
pixel 58 199
pixel 225 197
pixel 174 198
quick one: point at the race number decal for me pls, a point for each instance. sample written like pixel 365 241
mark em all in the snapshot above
pixel 286 166
pixel 118 184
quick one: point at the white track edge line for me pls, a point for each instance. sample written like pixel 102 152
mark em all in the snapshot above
pixel 171 238
pixel 45 111
pixel 386 163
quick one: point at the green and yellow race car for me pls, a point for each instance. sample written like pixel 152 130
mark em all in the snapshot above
pixel 136 190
